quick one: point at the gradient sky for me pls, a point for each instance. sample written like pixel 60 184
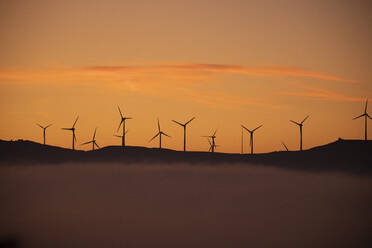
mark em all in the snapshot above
pixel 225 62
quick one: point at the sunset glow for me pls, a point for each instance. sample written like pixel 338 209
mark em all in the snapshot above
pixel 225 62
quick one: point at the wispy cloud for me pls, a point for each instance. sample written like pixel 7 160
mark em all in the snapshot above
pixel 220 68
pixel 320 93
pixel 186 70
pixel 224 100
pixel 183 80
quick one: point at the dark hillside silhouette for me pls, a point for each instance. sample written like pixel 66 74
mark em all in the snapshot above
pixel 341 155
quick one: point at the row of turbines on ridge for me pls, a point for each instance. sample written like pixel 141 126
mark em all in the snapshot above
pixel 211 138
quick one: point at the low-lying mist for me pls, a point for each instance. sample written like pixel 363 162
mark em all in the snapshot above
pixel 112 205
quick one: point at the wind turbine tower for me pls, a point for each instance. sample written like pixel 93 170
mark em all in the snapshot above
pixel 44 128
pixel 366 115
pixel 251 132
pixel 184 131
pixel 213 144
pixel 300 125
pixel 93 141
pixel 73 133
pixel 160 133
pixel 122 121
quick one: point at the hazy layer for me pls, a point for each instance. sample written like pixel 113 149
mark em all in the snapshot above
pixel 182 206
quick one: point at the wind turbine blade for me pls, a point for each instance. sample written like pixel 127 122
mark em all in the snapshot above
pixel 128 118
pixel 158 125
pixel 126 131
pixel 285 146
pixel 365 109
pixel 75 121
pixel 154 137
pixel 48 126
pixel 214 133
pixel 245 128
pixel 40 125
pixel 295 122
pixel 94 135
pixel 117 136
pixel 122 120
pixel 66 128
pixel 358 116
pixel 75 136
pixel 256 128
pixel 206 136
pixel 190 120
pixel 87 143
pixel 305 119
pixel 97 145
pixel 210 143
pixel 166 134
pixel 178 123
pixel 121 115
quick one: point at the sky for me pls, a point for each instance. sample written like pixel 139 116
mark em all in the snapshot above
pixel 225 62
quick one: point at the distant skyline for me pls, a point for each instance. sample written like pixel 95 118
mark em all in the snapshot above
pixel 225 62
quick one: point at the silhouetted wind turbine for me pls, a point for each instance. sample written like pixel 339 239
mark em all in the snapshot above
pixel 123 118
pixel 300 125
pixel 73 133
pixel 120 136
pixel 184 131
pixel 93 141
pixel 44 128
pixel 365 114
pixel 251 134
pixel 212 145
pixel 241 142
pixel 285 146
pixel 160 133
pixel 213 141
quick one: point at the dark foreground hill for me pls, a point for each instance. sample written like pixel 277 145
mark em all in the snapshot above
pixel 341 155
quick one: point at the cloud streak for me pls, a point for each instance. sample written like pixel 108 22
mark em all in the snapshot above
pixel 320 93
pixel 220 68
pixel 187 70
pixel 186 81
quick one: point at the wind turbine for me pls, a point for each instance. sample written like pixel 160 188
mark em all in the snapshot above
pixel 251 134
pixel 93 141
pixel 44 128
pixel 365 114
pixel 73 133
pixel 120 136
pixel 184 131
pixel 300 125
pixel 213 144
pixel 123 118
pixel 285 146
pixel 241 142
pixel 160 133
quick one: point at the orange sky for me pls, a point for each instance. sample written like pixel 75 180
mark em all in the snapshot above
pixel 225 62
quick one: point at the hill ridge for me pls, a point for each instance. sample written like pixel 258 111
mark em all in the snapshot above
pixel 340 155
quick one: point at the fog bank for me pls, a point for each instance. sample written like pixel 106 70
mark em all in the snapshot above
pixel 108 205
